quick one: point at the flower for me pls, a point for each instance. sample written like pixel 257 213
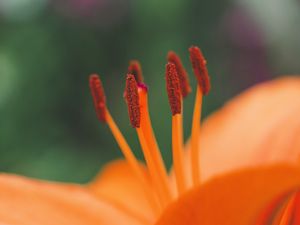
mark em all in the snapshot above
pixel 241 168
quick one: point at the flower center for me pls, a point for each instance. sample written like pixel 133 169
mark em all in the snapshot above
pixel 159 194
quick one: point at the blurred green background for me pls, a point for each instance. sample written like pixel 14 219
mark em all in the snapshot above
pixel 48 128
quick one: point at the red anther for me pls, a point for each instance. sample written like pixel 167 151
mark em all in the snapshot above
pixel 132 100
pixel 135 69
pixel 98 96
pixel 173 88
pixel 200 70
pixel 182 74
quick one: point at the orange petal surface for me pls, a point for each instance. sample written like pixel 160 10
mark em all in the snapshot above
pixel 119 184
pixel 234 199
pixel 260 126
pixel 26 201
pixel 282 214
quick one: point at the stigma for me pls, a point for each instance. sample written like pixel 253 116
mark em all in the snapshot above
pixel 160 193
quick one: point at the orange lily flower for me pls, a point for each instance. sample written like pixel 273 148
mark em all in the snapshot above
pixel 241 168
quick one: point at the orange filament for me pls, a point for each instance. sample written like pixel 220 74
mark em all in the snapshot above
pixel 156 158
pixel 195 153
pixel 182 74
pixel 151 165
pixel 133 162
pixel 174 94
pixel 177 149
pixel 127 152
pixel 201 73
pixel 135 69
pixel 124 147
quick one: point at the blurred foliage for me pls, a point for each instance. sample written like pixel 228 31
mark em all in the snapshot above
pixel 48 48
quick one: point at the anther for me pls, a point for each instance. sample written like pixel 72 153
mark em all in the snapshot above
pixel 182 74
pixel 173 88
pixel 200 69
pixel 98 97
pixel 132 99
pixel 135 69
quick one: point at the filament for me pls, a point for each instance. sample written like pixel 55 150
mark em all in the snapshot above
pixel 195 151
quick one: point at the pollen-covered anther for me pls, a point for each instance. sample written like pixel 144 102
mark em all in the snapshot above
pixel 200 69
pixel 132 99
pixel 98 97
pixel 182 74
pixel 135 69
pixel 173 88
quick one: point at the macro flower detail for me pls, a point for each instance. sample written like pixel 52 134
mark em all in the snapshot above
pixel 241 166
pixel 284 210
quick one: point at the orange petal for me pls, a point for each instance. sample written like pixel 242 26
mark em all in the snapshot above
pixel 269 212
pixel 281 211
pixel 296 219
pixel 233 199
pixel 118 183
pixel 260 126
pixel 31 202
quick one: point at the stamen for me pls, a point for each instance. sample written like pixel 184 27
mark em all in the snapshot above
pixel 136 70
pixel 201 73
pixel 200 70
pixel 147 140
pixel 182 74
pixel 98 96
pixel 174 94
pixel 136 96
pixel 173 88
pixel 97 90
pixel 132 99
